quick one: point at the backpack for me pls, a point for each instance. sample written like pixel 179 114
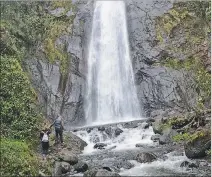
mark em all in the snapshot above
pixel 58 124
pixel 45 138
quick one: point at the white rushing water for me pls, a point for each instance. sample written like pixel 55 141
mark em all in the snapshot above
pixel 125 141
pixel 111 93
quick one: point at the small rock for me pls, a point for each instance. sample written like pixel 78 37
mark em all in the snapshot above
pixel 99 146
pixel 89 130
pixel 101 129
pixel 145 126
pixel 106 168
pixel 118 131
pixel 145 157
pixel 139 145
pixel 155 137
pixel 80 167
pixel 188 164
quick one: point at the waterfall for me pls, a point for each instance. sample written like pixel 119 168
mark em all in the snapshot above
pixel 111 93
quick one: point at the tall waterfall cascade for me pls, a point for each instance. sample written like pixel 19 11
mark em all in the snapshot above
pixel 111 94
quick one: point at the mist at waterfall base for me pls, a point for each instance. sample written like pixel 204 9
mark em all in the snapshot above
pixel 111 93
pixel 111 98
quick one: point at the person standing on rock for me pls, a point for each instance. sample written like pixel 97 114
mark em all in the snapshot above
pixel 44 137
pixel 59 126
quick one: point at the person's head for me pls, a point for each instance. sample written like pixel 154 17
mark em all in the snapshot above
pixel 59 117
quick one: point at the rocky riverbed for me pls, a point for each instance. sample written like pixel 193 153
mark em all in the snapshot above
pixel 125 149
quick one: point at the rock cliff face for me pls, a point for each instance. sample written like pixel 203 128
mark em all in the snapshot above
pixel 46 77
pixel 159 88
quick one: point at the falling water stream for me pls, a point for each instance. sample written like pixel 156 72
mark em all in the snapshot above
pixel 111 93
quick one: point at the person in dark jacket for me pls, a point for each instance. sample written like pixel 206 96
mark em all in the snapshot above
pixel 59 127
pixel 44 138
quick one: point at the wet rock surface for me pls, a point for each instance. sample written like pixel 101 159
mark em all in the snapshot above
pixel 145 157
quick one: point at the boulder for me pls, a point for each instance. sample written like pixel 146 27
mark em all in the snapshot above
pixel 157 127
pixel 65 167
pixel 80 167
pixel 69 158
pixel 118 131
pixel 196 148
pixel 75 143
pixel 145 125
pixel 101 129
pixel 145 157
pixel 57 171
pixel 188 164
pixel 99 146
pixel 103 172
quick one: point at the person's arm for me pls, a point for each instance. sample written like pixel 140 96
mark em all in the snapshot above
pixel 52 124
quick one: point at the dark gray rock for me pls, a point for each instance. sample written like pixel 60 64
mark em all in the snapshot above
pixel 101 129
pixel 145 157
pixel 139 145
pixel 118 131
pixel 106 168
pixel 100 146
pixel 146 125
pixel 188 165
pixel 80 167
pixel 197 148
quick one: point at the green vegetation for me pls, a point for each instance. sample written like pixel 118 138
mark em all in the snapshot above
pixel 17 159
pixel 19 118
pixel 190 137
pixel 27 29
pixel 192 21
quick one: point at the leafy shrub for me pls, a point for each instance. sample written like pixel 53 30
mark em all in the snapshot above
pixel 17 159
pixel 19 118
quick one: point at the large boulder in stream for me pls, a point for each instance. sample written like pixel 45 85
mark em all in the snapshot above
pixel 145 157
pixel 197 147
pixel 118 131
pixel 80 167
pixel 103 172
pixel 75 144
